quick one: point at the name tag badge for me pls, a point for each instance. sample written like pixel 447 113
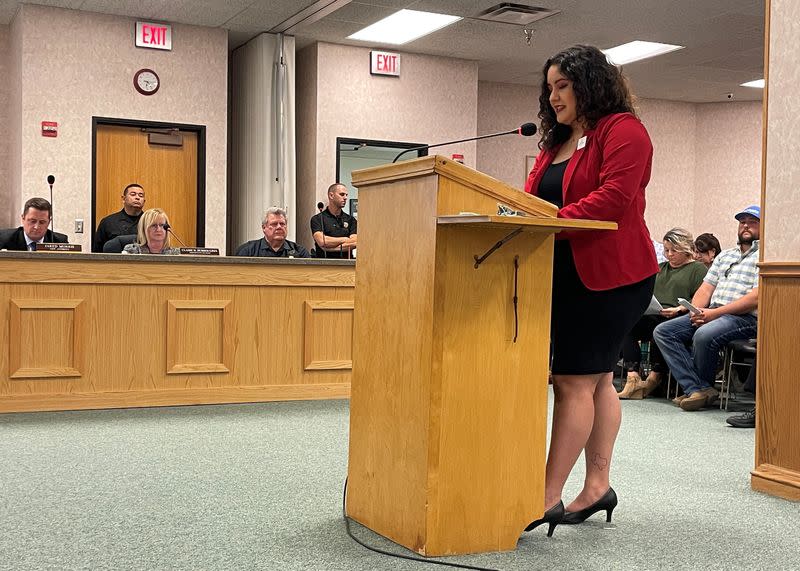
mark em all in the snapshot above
pixel 581 142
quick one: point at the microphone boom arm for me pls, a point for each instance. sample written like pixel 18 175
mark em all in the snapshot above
pixel 511 132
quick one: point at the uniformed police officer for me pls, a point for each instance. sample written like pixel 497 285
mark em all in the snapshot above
pixel 334 230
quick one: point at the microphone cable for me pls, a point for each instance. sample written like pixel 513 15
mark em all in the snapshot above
pixel 399 555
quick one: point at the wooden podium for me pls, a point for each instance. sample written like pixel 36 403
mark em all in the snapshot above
pixel 448 409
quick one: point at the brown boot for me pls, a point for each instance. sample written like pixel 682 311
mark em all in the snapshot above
pixel 651 383
pixel 634 387
pixel 699 399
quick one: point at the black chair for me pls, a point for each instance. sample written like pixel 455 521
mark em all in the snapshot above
pixel 745 351
pixel 115 245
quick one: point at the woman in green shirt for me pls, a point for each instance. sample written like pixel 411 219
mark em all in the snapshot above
pixel 679 276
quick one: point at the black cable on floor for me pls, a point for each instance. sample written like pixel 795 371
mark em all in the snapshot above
pixel 398 555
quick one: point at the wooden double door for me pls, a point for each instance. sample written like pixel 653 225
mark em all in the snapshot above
pixel 168 173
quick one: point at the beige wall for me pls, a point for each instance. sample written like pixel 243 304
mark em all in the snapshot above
pixel 434 100
pixel 670 194
pixel 70 81
pixel 5 130
pixel 728 165
pixel 706 162
pixel 501 107
pixel 782 193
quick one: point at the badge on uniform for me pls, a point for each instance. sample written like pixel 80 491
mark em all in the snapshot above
pixel 344 224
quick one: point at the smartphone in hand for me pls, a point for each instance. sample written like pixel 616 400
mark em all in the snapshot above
pixel 688 305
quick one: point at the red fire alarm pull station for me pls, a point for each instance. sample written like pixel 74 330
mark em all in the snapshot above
pixel 49 129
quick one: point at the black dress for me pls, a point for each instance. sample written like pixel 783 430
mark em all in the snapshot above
pixel 587 327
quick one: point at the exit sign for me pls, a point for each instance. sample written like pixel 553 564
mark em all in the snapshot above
pixel 384 63
pixel 152 35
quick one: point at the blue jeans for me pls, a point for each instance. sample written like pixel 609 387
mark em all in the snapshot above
pixel 696 368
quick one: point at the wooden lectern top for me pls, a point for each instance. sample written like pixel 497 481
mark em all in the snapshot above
pixel 527 224
pixel 463 176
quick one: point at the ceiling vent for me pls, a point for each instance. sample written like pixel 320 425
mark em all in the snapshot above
pixel 520 14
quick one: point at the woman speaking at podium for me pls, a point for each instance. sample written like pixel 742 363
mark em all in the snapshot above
pixel 594 164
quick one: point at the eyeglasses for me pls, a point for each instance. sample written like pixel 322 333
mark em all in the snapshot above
pixel 162 226
pixel 728 271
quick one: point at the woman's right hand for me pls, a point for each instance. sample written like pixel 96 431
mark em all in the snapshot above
pixel 670 312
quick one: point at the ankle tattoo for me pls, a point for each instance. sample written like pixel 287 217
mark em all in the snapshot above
pixel 600 462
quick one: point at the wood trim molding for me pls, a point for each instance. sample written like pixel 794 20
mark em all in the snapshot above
pixel 173 397
pixel 177 342
pixel 779 269
pixel 17 337
pixel 85 269
pixel 311 343
pixel 776 481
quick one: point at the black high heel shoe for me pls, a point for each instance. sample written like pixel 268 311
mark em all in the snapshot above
pixel 608 502
pixel 553 517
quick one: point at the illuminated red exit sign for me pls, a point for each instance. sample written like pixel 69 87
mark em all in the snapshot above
pixel 384 63
pixel 152 35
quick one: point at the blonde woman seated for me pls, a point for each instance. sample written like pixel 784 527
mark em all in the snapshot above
pixel 151 235
pixel 679 276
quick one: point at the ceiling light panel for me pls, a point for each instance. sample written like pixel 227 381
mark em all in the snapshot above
pixel 403 27
pixel 638 50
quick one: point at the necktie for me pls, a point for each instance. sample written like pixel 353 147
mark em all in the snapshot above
pixel 32 246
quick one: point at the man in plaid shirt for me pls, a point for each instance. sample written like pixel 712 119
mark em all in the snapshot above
pixel 727 301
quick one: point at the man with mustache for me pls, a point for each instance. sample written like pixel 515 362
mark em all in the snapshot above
pixel 727 301
pixel 124 222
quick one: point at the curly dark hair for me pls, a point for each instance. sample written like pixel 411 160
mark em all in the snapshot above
pixel 600 89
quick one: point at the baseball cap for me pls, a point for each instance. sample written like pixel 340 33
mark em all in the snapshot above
pixel 754 210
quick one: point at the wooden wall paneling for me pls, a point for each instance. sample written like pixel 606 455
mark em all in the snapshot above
pixel 198 336
pixel 46 338
pixel 253 331
pixel 328 335
pixel 777 469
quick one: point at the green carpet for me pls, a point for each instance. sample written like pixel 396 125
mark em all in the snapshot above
pixel 259 487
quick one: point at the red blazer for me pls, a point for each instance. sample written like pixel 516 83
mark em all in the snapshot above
pixel 605 180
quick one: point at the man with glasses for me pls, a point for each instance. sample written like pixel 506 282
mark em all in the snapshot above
pixel 274 243
pixel 36 218
pixel 726 304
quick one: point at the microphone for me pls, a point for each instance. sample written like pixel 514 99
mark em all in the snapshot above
pixel 168 228
pixel 50 180
pixel 526 130
pixel 321 207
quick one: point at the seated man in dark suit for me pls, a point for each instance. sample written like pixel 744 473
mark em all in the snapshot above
pixel 123 222
pixel 35 219
pixel 274 243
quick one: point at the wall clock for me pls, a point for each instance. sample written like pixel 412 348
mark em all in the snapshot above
pixel 146 81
